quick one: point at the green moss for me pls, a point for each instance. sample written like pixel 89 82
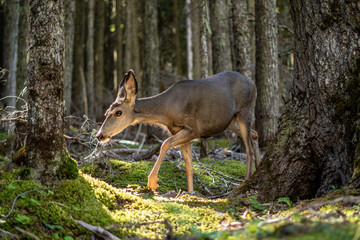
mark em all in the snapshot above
pixel 124 174
pixel 69 169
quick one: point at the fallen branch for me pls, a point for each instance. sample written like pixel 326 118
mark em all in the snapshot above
pixel 169 235
pixel 27 233
pixel 13 204
pixel 98 231
pixel 5 234
pixel 18 119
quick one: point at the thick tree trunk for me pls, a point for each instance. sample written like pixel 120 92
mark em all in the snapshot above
pixel 241 37
pixel 69 46
pixel 266 72
pixel 220 36
pixel 99 57
pixel 45 140
pixel 318 140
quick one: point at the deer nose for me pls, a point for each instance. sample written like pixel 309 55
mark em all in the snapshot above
pixel 99 136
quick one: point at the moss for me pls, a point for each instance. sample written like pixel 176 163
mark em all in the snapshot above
pixel 124 174
pixel 69 169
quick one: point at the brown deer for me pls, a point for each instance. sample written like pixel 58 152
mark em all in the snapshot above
pixel 189 109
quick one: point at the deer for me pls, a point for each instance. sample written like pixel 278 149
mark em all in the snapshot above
pixel 189 109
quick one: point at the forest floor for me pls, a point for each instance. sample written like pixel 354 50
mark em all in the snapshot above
pixel 110 197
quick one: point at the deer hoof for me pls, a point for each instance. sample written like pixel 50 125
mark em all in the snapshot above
pixel 153 183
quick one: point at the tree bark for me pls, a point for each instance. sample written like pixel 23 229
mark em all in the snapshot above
pixel 204 58
pixel 69 47
pixel 150 84
pixel 266 72
pixel 220 36
pixel 90 60
pixel 79 43
pixel 99 57
pixel 204 24
pixel 189 50
pixel 196 39
pixel 14 9
pixel 45 141
pixel 176 30
pixel 22 49
pixel 119 43
pixel 317 144
pixel 241 34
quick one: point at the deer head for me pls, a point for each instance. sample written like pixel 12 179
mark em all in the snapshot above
pixel 121 113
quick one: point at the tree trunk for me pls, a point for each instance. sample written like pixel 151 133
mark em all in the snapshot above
pixel 69 46
pixel 99 57
pixel 176 31
pixel 266 72
pixel 220 36
pixel 13 58
pixel 132 46
pixel 79 39
pixel 189 50
pixel 22 49
pixel 317 144
pixel 241 37
pixel 119 43
pixel 204 58
pixel 196 39
pixel 150 84
pixel 90 60
pixel 45 140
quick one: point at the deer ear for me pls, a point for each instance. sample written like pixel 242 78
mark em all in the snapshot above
pixel 128 87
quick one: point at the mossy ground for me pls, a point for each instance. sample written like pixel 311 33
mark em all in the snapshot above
pixel 101 196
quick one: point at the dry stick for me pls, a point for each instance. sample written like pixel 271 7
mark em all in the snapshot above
pixel 13 204
pixel 97 230
pixel 10 235
pixel 27 233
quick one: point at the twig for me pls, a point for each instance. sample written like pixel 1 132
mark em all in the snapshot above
pixel 18 119
pixel 13 204
pixel 10 235
pixel 97 230
pixel 27 233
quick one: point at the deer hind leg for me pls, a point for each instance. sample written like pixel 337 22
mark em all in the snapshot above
pixel 187 153
pixel 245 128
pixel 254 139
pixel 182 137
pixel 255 146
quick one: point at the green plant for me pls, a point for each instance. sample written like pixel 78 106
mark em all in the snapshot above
pixel 254 204
pixel 285 200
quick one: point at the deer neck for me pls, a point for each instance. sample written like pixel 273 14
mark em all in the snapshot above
pixel 150 110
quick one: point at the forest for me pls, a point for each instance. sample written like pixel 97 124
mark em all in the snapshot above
pixel 100 137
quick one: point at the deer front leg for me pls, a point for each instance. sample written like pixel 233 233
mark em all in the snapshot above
pixel 187 153
pixel 182 137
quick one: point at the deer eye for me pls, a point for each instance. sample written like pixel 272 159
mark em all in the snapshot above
pixel 118 113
